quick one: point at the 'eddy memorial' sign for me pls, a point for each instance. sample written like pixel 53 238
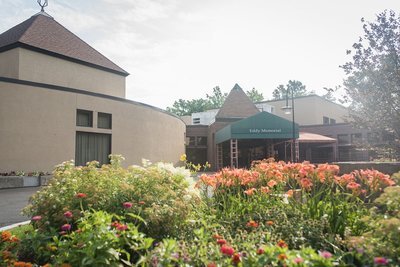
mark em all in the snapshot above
pixel 258 131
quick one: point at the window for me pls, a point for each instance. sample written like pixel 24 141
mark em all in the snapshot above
pixel 190 140
pixel 201 141
pixel 325 120
pixel 104 120
pixel 343 139
pixel 332 121
pixel 84 118
pixel 356 138
pixel 196 120
pixel 92 146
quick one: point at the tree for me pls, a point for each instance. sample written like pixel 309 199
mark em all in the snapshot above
pixel 255 95
pixel 298 90
pixel 217 98
pixel 373 77
pixel 183 107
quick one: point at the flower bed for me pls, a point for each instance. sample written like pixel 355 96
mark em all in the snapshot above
pixel 274 214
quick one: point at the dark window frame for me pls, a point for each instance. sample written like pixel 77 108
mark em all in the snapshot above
pixel 84 112
pixel 98 119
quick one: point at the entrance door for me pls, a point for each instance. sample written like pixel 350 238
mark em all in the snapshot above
pixel 92 146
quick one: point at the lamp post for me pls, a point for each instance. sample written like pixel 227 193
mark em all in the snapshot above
pixel 287 110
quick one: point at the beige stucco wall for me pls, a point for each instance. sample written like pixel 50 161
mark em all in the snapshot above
pixel 311 110
pixel 41 68
pixel 9 64
pixel 38 128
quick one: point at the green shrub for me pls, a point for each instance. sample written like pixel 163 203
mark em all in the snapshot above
pixel 156 192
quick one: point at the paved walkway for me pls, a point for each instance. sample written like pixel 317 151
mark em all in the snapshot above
pixel 12 201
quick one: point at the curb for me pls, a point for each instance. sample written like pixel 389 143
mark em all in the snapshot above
pixel 8 227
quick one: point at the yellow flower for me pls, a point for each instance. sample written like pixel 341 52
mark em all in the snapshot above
pixel 183 157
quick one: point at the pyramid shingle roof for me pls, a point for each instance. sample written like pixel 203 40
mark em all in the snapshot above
pixel 237 105
pixel 44 34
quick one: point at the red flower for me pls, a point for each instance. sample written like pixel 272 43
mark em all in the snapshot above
pixel 68 214
pixel 260 251
pixel 221 242
pixel 127 205
pixel 380 261
pixel 66 227
pixel 282 244
pixel 236 258
pixel 252 223
pixel 122 227
pixel 227 250
pixel 211 264
pixel 80 195
pixel 36 218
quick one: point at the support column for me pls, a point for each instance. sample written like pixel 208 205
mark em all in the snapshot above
pixel 234 153
pixel 219 157
pixel 296 151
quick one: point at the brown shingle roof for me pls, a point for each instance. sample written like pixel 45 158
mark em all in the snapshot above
pixel 237 105
pixel 43 34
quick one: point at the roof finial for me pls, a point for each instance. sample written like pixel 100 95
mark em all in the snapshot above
pixel 45 3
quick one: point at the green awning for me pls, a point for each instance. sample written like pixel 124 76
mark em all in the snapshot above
pixel 263 125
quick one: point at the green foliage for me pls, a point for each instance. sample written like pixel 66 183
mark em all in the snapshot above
pixel 158 193
pixel 98 243
pixel 213 101
pixel 294 86
pixel 372 83
pixel 255 95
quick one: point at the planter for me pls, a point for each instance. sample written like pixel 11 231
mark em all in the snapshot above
pixel 23 181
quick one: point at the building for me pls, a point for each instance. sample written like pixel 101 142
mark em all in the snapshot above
pixel 60 99
pixel 241 132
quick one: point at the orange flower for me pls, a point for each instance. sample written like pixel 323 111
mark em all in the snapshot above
pixel 306 183
pixel 5 236
pixel 22 264
pixel 265 189
pixel 250 191
pixel 252 223
pixel 289 193
pixel 217 236
pixel 66 265
pixel 282 257
pixel 270 223
pixel 282 244
pixel 272 183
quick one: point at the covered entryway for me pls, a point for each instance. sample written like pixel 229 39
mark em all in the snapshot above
pixel 257 137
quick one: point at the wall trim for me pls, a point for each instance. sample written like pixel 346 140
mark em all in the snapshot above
pixel 83 92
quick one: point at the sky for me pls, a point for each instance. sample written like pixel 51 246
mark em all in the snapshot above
pixel 183 48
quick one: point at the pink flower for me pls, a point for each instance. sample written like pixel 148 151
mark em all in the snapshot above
pixel 325 254
pixel 80 195
pixel 36 218
pixel 66 227
pixel 68 214
pixel 380 261
pixel 298 260
pixel 127 205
